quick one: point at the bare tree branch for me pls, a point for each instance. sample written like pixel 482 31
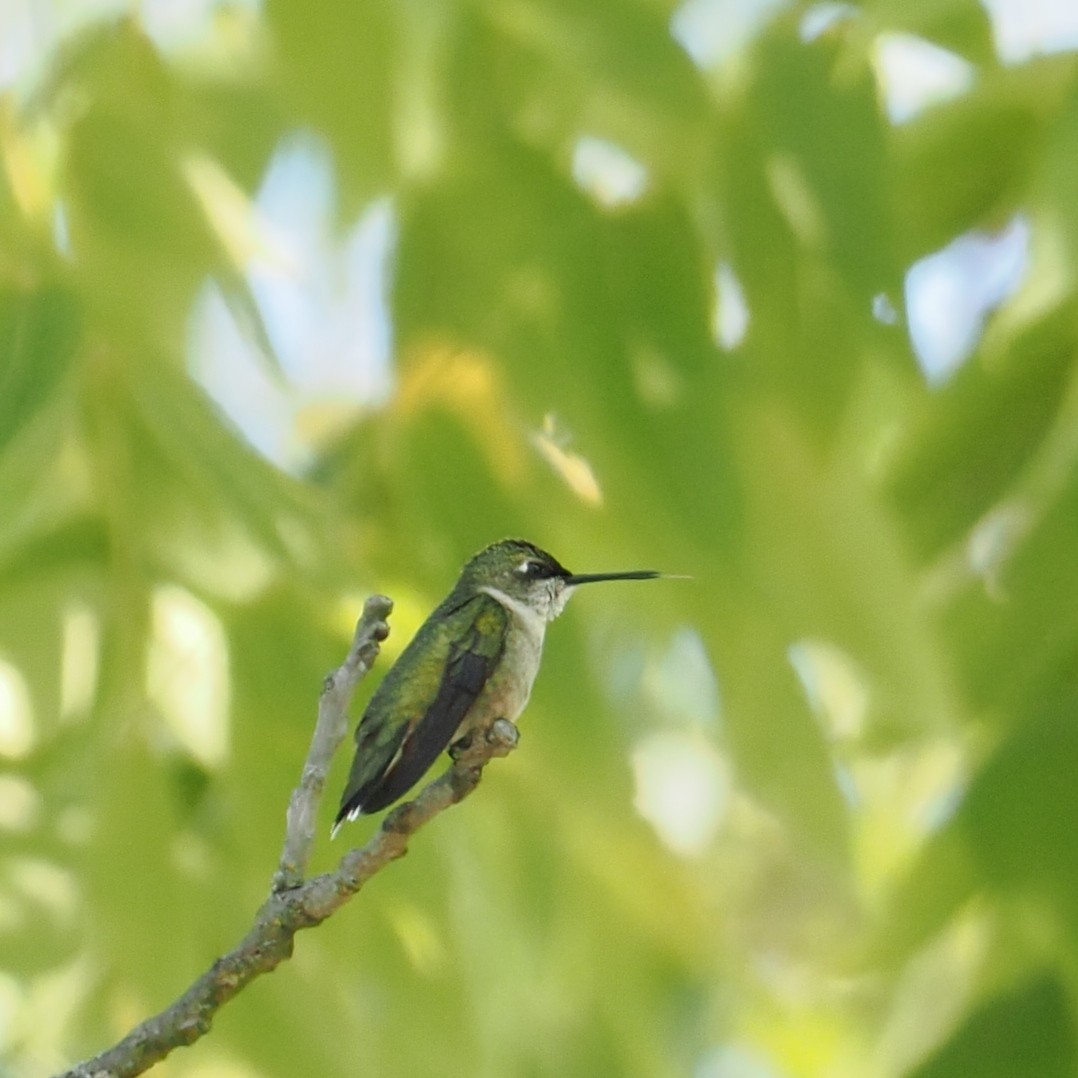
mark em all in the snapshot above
pixel 294 904
pixel 329 731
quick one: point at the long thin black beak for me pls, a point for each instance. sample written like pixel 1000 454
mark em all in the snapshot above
pixel 590 578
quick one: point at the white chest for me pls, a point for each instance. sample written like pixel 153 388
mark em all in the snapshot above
pixel 520 662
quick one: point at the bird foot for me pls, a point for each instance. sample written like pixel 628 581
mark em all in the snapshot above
pixel 461 746
pixel 502 737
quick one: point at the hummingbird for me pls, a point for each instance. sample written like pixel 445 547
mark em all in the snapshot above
pixel 473 661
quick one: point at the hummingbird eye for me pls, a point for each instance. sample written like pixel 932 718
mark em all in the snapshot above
pixel 529 568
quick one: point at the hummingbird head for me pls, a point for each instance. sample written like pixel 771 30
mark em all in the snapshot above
pixel 527 574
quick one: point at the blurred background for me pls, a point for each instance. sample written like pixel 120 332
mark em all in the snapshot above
pixel 301 301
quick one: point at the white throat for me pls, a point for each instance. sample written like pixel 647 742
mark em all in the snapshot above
pixel 533 618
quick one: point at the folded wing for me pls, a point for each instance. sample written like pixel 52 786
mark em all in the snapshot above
pixel 415 713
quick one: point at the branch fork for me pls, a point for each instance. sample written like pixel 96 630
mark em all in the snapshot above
pixel 296 902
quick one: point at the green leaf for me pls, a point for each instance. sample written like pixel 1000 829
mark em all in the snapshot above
pixel 1018 810
pixel 960 25
pixel 39 333
pixel 1029 1030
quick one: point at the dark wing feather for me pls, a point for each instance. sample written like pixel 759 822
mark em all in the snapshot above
pixel 482 623
pixel 460 688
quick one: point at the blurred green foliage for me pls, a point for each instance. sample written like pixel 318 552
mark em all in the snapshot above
pixel 811 813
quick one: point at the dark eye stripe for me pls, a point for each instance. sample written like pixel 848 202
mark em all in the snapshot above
pixel 537 570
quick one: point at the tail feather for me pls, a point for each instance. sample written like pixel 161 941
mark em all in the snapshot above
pixel 347 813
